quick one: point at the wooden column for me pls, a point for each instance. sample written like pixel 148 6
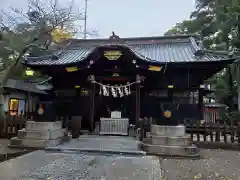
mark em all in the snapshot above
pixel 200 102
pixel 92 103
pixel 138 83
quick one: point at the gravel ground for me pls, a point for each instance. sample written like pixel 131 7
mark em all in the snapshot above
pixel 214 165
pixel 40 165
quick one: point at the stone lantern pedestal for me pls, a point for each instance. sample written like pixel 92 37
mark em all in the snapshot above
pixel 169 141
pixel 40 135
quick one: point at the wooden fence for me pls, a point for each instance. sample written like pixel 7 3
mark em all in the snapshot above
pixel 204 135
pixel 10 125
pixel 215 135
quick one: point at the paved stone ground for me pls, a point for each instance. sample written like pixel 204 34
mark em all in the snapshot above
pixel 116 144
pixel 214 165
pixel 4 147
pixel 41 165
pixel 8 153
pixel 74 165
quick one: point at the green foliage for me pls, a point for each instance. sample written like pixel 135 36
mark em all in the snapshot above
pixel 234 117
pixel 218 24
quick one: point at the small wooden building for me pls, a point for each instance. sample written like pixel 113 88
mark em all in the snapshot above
pixel 158 77
pixel 21 97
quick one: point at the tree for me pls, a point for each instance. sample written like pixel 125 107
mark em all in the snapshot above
pixel 37 30
pixel 217 23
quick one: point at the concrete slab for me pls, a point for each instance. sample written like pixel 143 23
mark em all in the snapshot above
pixel 63 166
pixel 101 144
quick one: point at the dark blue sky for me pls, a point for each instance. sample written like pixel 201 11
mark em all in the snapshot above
pixel 129 18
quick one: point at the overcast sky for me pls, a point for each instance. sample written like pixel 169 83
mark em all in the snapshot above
pixel 128 18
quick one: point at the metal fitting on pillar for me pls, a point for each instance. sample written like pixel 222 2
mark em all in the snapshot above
pixel 138 78
pixel 91 78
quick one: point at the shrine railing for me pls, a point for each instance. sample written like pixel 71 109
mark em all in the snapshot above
pixel 10 125
pixel 209 135
pixel 214 135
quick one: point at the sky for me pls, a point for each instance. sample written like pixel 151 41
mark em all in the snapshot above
pixel 127 18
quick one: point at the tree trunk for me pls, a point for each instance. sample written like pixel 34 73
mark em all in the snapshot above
pixel 238 94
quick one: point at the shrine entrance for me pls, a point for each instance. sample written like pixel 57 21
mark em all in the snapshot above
pixel 114 105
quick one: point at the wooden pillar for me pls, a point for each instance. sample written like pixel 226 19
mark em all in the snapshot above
pixel 200 102
pixel 138 83
pixel 92 103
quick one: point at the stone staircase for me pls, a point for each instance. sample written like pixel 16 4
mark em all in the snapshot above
pixel 169 141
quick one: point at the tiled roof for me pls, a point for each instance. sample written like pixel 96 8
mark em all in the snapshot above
pixel 156 49
pixel 214 105
pixel 21 85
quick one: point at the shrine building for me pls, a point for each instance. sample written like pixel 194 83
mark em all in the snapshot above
pixel 158 77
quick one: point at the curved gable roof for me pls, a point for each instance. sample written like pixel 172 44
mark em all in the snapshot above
pixel 166 49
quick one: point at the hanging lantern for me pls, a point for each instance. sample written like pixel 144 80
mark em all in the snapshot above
pixel 29 72
pixel 40 109
pixel 115 75
pixel 154 68
pixel 72 69
pixel 167 114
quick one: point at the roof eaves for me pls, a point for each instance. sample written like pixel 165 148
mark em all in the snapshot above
pixel 223 54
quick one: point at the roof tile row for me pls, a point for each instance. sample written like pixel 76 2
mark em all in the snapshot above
pixel 156 51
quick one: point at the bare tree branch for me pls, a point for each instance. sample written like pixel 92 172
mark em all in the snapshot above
pixel 41 19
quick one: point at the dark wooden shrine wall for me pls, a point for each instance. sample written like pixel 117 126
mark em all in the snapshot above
pixel 181 107
pixel 155 108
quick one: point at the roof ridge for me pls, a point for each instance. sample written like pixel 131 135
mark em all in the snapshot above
pixel 141 37
pixel 216 52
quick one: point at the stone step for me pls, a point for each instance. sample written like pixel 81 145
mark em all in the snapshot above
pixel 163 150
pixel 15 141
pixel 165 140
pixel 41 135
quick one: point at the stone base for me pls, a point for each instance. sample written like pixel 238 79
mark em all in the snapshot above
pixel 35 142
pixel 44 135
pixel 40 135
pixel 169 131
pixel 164 140
pixel 190 151
pixel 169 141
pixel 43 126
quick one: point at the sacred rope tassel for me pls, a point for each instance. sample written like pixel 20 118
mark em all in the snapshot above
pixel 108 90
pixel 126 90
pixel 105 91
pixel 120 91
pixel 129 89
pixel 114 93
pixel 100 90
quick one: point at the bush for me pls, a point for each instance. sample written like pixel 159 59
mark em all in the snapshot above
pixel 234 117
